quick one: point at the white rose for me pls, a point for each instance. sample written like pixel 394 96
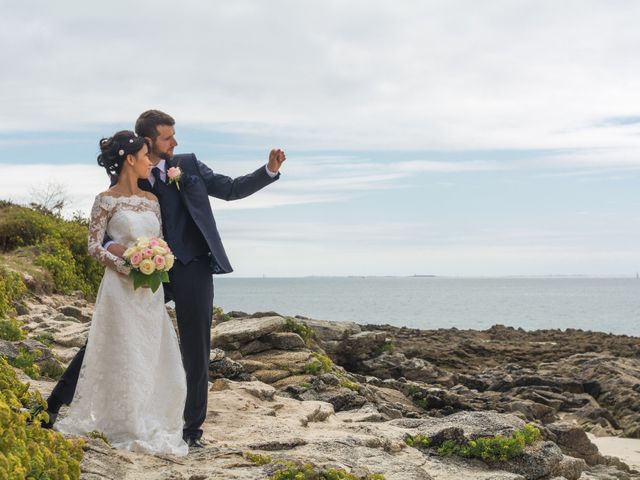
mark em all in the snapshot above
pixel 169 261
pixel 147 266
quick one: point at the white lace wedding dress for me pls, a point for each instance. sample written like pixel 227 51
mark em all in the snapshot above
pixel 132 385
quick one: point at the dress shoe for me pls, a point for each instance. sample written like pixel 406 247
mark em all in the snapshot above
pixel 52 417
pixel 194 442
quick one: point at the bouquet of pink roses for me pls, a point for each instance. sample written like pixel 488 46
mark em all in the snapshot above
pixel 150 259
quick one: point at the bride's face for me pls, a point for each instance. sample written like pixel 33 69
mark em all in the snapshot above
pixel 141 165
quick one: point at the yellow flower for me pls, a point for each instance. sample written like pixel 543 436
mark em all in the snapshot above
pixel 158 250
pixel 147 266
pixel 128 252
pixel 143 242
pixel 169 259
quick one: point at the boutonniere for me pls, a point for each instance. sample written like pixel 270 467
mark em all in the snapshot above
pixel 174 174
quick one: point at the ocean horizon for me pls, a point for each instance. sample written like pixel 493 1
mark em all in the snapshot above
pixel 609 304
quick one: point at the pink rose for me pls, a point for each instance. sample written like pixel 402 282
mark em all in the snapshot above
pixel 159 261
pixel 136 258
pixel 147 253
pixel 154 242
pixel 174 173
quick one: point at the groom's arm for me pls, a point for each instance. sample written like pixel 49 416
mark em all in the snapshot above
pixel 227 188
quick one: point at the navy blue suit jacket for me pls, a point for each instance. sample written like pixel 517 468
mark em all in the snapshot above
pixel 198 182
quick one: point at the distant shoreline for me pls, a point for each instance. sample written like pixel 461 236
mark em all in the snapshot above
pixel 447 277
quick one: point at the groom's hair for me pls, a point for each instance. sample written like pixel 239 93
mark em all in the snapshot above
pixel 149 120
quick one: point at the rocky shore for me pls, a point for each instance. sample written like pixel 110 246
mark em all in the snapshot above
pixel 378 400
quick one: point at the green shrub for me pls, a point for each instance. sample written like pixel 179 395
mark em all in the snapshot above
pixel 219 315
pixel 27 451
pixel 305 332
pixel 385 347
pixel 423 403
pixel 44 338
pixel 52 369
pixel 530 433
pixel 318 364
pixel 493 449
pixel 99 435
pixel 307 471
pixel 25 361
pixel 346 383
pixel 61 246
pixel 257 458
pixel 417 440
pixel 11 330
pixel 11 289
pixel 294 472
pixel 337 474
pixel 20 226
pixel 70 270
pixel 413 390
pixel 449 447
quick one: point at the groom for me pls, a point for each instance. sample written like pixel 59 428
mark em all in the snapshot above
pixel 190 230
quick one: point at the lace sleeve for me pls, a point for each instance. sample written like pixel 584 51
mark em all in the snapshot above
pixel 97 227
pixel 156 210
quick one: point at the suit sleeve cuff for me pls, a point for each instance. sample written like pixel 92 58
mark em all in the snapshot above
pixel 270 173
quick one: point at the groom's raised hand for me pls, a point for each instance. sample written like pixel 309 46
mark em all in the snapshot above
pixel 276 159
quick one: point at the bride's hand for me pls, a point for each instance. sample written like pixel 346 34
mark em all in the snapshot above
pixel 116 249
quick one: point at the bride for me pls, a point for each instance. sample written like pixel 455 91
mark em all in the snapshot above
pixel 132 386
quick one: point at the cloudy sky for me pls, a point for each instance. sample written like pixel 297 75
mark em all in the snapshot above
pixel 473 138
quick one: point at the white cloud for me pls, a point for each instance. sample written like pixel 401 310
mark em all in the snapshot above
pixel 326 248
pixel 361 76
pixel 333 74
pixel 81 183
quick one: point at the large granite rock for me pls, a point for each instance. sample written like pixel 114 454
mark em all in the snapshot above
pixel 443 383
pixel 237 332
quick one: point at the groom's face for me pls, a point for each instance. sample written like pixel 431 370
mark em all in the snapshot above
pixel 164 143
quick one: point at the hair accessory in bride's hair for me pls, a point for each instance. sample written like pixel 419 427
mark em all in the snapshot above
pixel 115 149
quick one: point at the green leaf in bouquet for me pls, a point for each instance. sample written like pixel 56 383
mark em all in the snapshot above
pixel 154 281
pixel 139 279
pixel 164 277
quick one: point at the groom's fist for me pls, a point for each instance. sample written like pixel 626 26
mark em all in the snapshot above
pixel 276 158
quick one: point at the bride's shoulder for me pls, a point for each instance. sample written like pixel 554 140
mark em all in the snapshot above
pixel 104 197
pixel 149 196
pixel 110 193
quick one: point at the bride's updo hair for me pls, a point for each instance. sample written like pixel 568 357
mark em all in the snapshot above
pixel 114 150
